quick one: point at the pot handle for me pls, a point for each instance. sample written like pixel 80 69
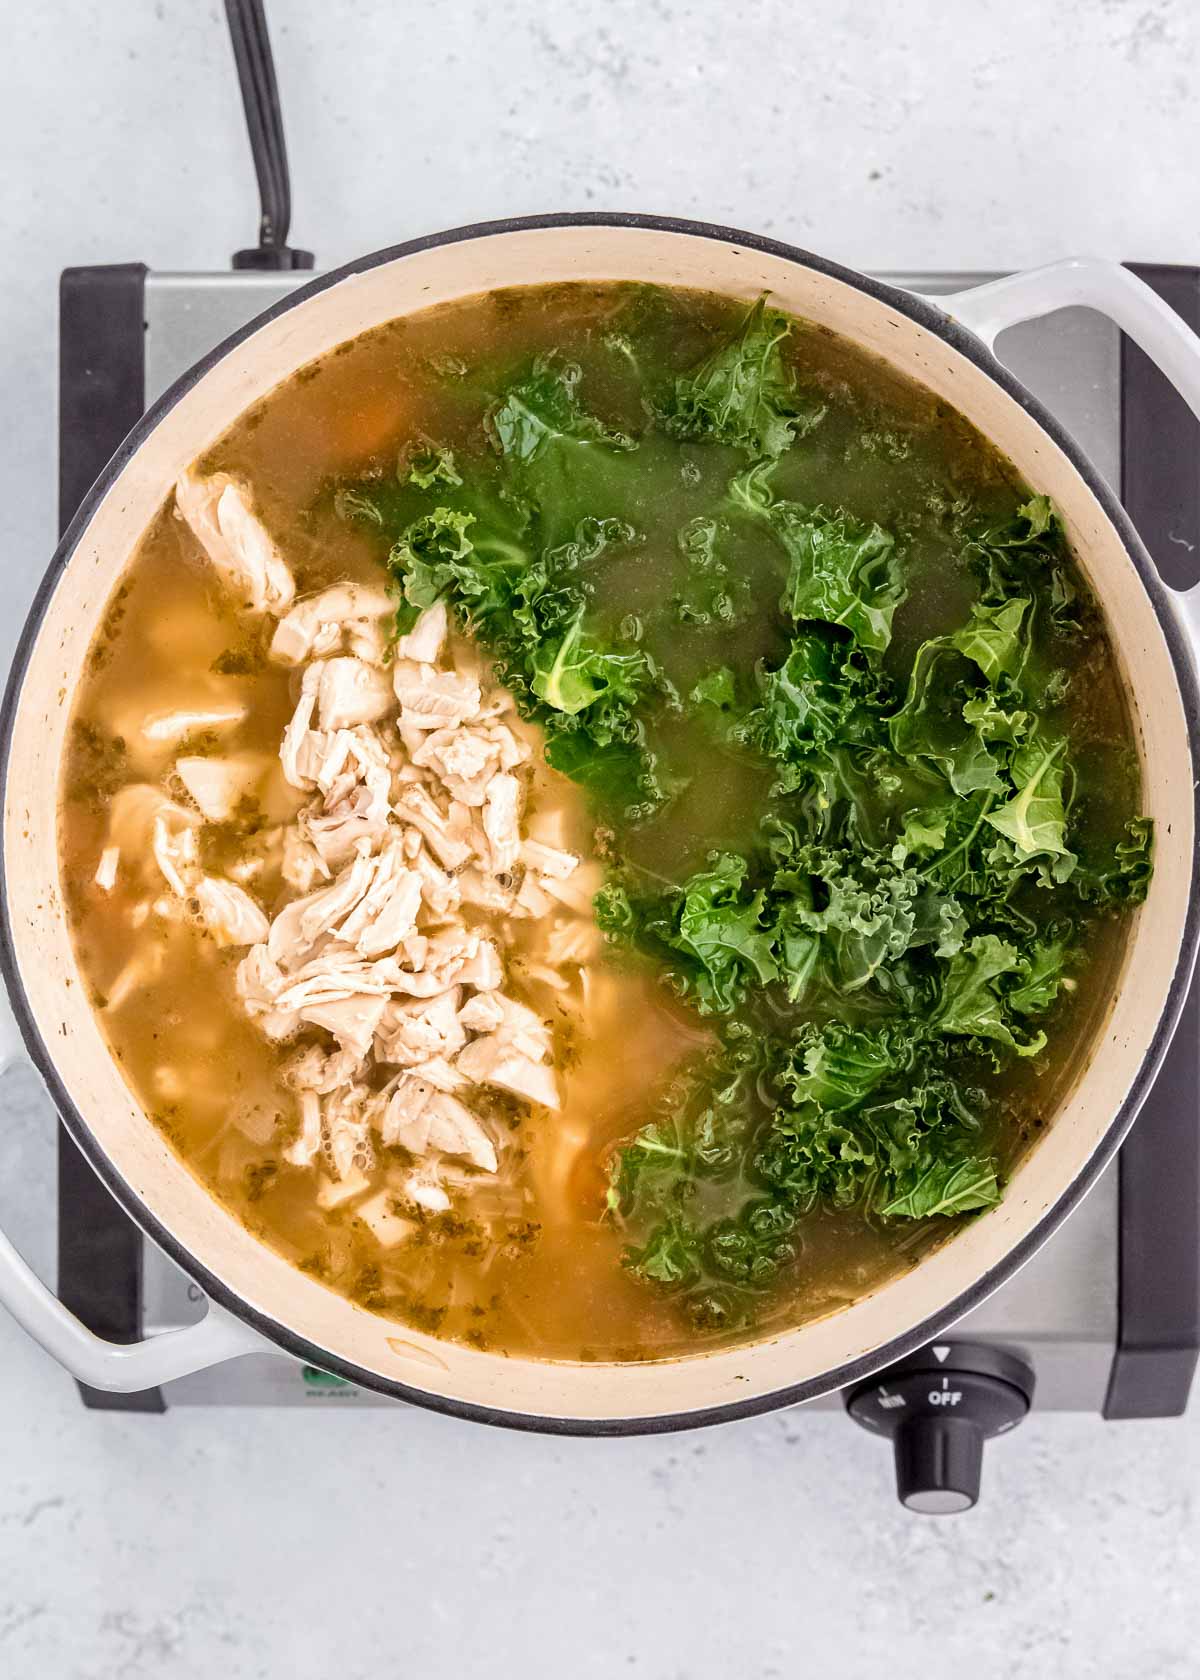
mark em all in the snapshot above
pixel 1093 283
pixel 113 1366
pixel 1088 283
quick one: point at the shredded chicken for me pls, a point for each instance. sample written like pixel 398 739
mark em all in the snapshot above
pixel 501 810
pixel 218 785
pixel 425 641
pixel 415 818
pixel 514 1055
pixel 229 913
pixel 433 699
pixel 168 727
pixel 145 824
pixel 324 622
pixel 219 514
pixel 411 839
pixel 352 692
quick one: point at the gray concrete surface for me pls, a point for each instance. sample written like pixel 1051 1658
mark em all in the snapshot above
pixel 263 1544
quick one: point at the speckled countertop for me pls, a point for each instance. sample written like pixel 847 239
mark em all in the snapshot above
pixel 271 1544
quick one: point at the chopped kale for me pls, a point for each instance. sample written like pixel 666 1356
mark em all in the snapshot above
pixel 893 934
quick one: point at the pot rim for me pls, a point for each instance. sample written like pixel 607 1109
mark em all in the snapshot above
pixel 924 314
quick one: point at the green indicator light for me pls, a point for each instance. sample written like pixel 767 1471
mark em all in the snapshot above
pixel 321 1379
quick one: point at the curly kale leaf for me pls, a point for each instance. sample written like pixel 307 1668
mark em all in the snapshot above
pixel 431 466
pixel 974 1003
pixel 708 934
pixel 720 925
pixel 749 1248
pixel 837 1066
pixel 575 672
pixel 810 1157
pixel 933 1187
pixel 841 570
pixel 996 638
pixel 932 723
pixel 814 699
pixel 1028 553
pixel 1042 977
pixel 482 563
pixel 541 416
pixel 1124 877
pixel 862 911
pixel 671 1254
pixel 894 1132
pixel 1035 818
pixel 743 394
pixel 621 774
pixel 701 1120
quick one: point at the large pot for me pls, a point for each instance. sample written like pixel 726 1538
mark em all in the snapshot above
pixel 257 1298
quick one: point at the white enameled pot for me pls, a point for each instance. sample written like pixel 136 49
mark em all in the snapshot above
pixel 258 1299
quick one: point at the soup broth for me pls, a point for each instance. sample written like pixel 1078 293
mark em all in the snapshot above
pixel 833 730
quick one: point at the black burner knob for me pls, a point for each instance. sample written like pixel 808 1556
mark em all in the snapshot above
pixel 939 1407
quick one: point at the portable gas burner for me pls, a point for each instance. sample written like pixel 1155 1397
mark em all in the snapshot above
pixel 1106 1318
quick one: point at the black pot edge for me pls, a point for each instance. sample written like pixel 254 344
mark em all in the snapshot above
pixel 933 320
